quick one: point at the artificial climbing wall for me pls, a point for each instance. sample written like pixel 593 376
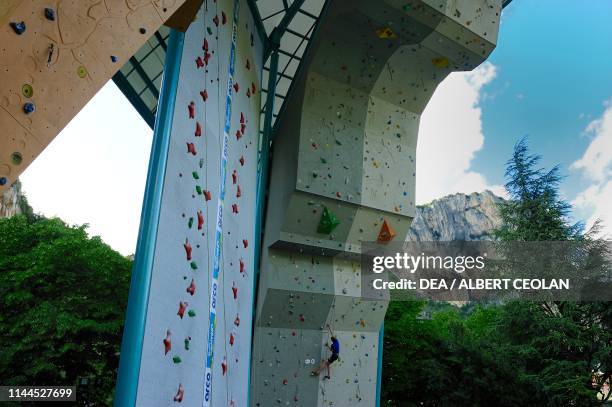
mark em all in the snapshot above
pixel 54 57
pixel 197 264
pixel 343 173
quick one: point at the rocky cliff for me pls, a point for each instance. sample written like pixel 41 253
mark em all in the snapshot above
pixel 11 201
pixel 457 217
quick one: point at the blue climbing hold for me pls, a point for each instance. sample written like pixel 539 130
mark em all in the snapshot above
pixel 29 107
pixel 50 14
pixel 113 58
pixel 3 181
pixel 19 28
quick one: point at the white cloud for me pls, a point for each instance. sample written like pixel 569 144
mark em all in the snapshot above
pixel 596 167
pixel 450 135
pixel 95 170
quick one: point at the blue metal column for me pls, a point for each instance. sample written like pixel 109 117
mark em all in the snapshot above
pixel 136 314
pixel 381 336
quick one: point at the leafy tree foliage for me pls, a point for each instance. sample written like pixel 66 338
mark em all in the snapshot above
pixel 62 296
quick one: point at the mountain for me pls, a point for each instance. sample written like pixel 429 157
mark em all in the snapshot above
pixel 13 202
pixel 457 217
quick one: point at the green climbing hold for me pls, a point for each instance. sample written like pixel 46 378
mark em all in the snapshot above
pixel 194 265
pixel 338 142
pixel 328 222
pixel 27 90
pixel 323 160
pixel 195 175
pixel 190 223
pixel 201 162
pixel 199 189
pixel 191 313
pixel 186 343
pixel 209 30
pixel 314 174
pixel 176 359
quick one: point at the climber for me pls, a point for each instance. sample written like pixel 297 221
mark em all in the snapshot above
pixel 335 350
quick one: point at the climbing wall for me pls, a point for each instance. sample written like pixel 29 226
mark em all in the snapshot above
pixel 343 173
pixel 54 56
pixel 198 331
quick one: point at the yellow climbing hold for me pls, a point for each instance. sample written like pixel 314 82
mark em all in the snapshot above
pixel 27 90
pixel 440 62
pixel 81 71
pixel 385 32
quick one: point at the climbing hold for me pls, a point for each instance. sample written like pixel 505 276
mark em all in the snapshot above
pixel 245 243
pixel 200 220
pixel 167 342
pixel 207 195
pixel 302 318
pixel 224 366
pixel 242 118
pixel 19 28
pixel 235 208
pixel 385 33
pixel 192 287
pixel 187 247
pixel 248 64
pixel 253 88
pixel 190 223
pixel 223 18
pixel 182 308
pixel 195 175
pixel 386 233
pixel 187 341
pixel 176 359
pixel 238 134
pixel 113 59
pixel 29 108
pixel 440 62
pixel 216 20
pixel 27 90
pixel 241 160
pixel 50 14
pixel 236 87
pixel 193 265
pixel 205 45
pixel 201 163
pixel 209 30
pixel 285 382
pixel 204 95
pixel 16 158
pixel 82 72
pixel 179 393
pixel 241 266
pixel 199 62
pixel 198 130
pixel 248 93
pixel 142 30
pixel 328 222
pixel 238 193
pixel 234 290
pixel 191 313
pixel 242 127
pixel 191 148
pixel 237 321
pixel 191 109
pixel 234 177
pixel 231 339
pixel 199 190
pixel 3 181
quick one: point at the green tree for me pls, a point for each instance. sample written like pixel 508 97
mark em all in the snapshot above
pixel 62 296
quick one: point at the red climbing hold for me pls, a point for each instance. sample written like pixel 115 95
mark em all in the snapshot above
pixel 248 93
pixel 386 233
pixel 241 160
pixel 191 109
pixel 238 192
pixel 234 290
pixel 224 366
pixel 313 145
pixel 199 62
pixel 216 20
pixel 236 87
pixel 338 194
pixel 204 95
pixel 234 176
pixel 167 342
pixel 238 134
pixel 241 266
pixel 200 220
pixel 231 340
pixel 191 148
pixel 207 195
pixel 179 394
pixel 302 319
pixel 206 57
pixel 293 333
pixel 245 243
pixel 205 45
pixel 241 118
pixel 182 308
pixel 187 247
pixel 285 382
pixel 223 18
pixel 248 64
pixel 242 128
pixel 192 287
pixel 235 208
pixel 253 88
pixel 237 321
pixel 198 130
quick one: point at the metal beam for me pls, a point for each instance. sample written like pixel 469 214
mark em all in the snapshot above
pixel 505 3
pixel 132 96
pixel 279 30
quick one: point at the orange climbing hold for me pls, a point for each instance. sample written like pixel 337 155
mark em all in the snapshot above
pixel 179 393
pixel 200 220
pixel 386 233
pixel 167 342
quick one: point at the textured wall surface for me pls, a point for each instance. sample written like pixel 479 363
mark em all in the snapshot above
pixel 343 173
pixel 178 309
pixel 58 62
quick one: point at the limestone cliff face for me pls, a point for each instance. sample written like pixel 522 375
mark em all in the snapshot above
pixel 10 201
pixel 457 217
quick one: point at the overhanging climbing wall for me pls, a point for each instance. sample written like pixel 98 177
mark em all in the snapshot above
pixel 343 173
pixel 194 266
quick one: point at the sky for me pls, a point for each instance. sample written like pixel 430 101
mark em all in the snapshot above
pixel 550 79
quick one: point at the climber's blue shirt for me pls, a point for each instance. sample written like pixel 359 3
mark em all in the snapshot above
pixel 335 346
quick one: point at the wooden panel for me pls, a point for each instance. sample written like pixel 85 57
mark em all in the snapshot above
pixel 63 61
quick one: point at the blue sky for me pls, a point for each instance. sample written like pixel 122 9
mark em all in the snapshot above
pixel 550 77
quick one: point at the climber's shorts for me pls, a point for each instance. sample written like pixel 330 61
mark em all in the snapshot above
pixel 332 358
